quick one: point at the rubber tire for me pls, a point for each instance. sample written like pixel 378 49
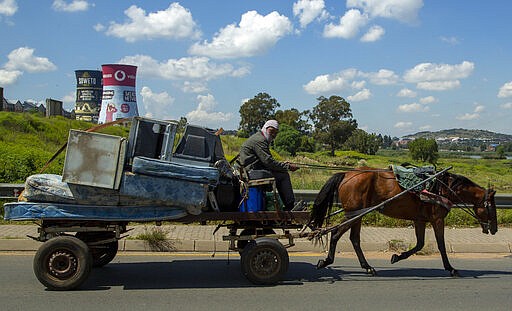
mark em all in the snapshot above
pixel 101 254
pixel 69 255
pixel 264 261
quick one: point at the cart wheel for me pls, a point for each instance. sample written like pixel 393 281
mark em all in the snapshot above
pixel 62 263
pixel 241 244
pixel 101 254
pixel 264 261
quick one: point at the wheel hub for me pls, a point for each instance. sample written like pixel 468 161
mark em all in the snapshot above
pixel 265 263
pixel 62 264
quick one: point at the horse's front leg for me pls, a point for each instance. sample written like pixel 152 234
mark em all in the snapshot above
pixel 419 229
pixel 438 227
pixel 355 238
pixel 335 236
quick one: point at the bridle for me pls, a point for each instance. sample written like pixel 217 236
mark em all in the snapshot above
pixel 485 202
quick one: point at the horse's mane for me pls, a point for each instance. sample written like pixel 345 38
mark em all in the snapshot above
pixel 459 180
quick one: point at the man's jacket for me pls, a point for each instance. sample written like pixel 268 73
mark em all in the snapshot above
pixel 255 154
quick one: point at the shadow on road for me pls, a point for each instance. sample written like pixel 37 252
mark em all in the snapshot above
pixel 207 273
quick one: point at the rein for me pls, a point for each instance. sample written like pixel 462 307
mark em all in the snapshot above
pixel 333 167
pixel 465 207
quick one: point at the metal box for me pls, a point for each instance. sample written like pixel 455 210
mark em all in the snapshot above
pixel 151 138
pixel 94 159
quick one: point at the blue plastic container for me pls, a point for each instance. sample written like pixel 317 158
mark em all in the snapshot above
pixel 255 202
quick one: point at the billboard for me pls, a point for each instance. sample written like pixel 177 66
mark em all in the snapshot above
pixel 88 95
pixel 119 95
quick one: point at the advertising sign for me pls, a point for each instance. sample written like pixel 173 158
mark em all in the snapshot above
pixel 119 95
pixel 88 94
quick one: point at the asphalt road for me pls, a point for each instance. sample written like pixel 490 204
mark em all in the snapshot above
pixel 199 282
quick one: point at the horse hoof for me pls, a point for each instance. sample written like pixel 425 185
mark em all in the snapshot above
pixel 321 264
pixel 371 272
pixel 454 273
pixel 395 258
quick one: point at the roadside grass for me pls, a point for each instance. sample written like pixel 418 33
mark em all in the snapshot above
pixel 156 239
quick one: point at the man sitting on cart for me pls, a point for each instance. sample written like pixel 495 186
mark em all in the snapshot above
pixel 255 156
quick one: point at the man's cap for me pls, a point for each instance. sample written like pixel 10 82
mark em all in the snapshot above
pixel 271 123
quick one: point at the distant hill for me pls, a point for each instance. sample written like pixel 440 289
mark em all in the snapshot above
pixel 463 134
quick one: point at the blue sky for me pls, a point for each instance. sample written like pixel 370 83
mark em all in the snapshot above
pixel 403 65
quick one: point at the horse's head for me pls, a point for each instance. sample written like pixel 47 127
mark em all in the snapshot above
pixel 462 190
pixel 489 212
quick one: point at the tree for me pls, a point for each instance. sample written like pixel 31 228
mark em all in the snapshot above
pixel 424 150
pixel 294 118
pixel 255 112
pixel 363 142
pixel 332 119
pixel 500 151
pixel 288 139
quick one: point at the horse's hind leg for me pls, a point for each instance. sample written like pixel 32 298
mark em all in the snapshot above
pixel 355 238
pixel 438 227
pixel 419 229
pixel 335 236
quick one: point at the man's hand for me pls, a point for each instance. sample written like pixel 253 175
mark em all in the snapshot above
pixel 292 167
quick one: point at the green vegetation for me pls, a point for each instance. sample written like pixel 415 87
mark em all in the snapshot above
pixel 156 239
pixel 28 141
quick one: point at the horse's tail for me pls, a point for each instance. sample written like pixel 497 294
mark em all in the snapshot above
pixel 324 199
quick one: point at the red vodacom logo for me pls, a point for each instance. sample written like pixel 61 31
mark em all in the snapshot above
pixel 120 75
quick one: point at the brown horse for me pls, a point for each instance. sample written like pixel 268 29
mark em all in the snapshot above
pixel 367 187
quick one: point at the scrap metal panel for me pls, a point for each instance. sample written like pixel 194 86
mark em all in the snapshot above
pixel 94 159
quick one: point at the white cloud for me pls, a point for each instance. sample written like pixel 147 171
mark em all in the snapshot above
pixel 254 35
pixel 69 101
pixel 348 27
pixel 175 22
pixel 468 116
pixel 8 7
pixel 9 76
pixel 382 77
pixel 438 77
pixel 401 10
pixel 402 125
pixel 414 107
pixel 194 87
pixel 450 40
pixel 428 100
pixel 99 27
pixel 406 93
pixel 183 68
pixel 472 116
pixel 505 90
pixel 479 108
pixel 331 83
pixel 357 85
pixel 347 79
pixel 23 59
pixel 362 95
pixel 375 33
pixel 438 85
pixel 73 6
pixel 309 10
pixel 438 72
pixel 506 106
pixel 425 127
pixel 204 113
pixel 156 104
